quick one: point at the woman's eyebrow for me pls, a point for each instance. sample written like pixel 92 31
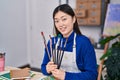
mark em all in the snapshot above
pixel 60 17
pixel 63 16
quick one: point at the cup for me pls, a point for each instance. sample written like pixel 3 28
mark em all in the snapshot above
pixel 2 61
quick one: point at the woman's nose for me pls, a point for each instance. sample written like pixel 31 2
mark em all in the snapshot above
pixel 61 23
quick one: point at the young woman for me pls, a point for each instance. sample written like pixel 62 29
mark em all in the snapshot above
pixel 79 60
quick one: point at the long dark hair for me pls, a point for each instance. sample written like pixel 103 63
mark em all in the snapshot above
pixel 68 10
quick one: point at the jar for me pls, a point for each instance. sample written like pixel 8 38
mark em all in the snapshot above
pixel 2 61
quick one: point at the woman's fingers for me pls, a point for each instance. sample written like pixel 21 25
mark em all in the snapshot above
pixel 50 67
pixel 50 63
pixel 59 74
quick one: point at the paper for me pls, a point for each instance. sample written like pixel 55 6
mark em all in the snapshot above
pixel 4 76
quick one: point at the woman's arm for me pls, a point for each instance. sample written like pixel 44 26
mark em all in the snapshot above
pixel 86 61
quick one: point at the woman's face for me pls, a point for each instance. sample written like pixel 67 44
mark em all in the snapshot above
pixel 64 23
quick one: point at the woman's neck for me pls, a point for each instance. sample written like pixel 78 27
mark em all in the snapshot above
pixel 67 35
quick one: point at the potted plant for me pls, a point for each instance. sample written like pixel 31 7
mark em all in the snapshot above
pixel 112 58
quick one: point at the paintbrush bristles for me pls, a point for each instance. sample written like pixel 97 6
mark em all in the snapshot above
pixel 43 36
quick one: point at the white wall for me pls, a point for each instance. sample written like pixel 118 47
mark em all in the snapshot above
pixel 115 1
pixel 41 20
pixel 13 38
pixel 93 32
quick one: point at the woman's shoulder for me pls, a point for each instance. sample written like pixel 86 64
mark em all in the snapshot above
pixel 82 37
pixel 83 41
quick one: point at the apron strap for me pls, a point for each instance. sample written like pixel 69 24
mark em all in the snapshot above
pixel 74 44
pixel 74 47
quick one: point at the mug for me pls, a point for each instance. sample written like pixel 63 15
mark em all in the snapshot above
pixel 2 61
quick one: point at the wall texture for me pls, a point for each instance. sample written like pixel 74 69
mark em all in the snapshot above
pixel 13 31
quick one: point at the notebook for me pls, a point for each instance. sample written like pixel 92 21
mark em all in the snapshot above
pixel 5 75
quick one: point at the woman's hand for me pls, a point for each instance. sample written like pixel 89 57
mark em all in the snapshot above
pixel 50 67
pixel 58 74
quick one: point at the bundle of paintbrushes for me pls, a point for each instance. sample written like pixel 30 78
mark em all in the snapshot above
pixel 56 51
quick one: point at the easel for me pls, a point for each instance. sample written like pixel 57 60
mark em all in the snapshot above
pixel 102 62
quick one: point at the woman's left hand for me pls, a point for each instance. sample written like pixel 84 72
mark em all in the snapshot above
pixel 59 74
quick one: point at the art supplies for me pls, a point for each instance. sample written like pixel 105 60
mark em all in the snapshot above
pixel 21 74
pixel 4 75
pixel 61 56
pixel 51 50
pixel 47 78
pixel 45 44
pixel 17 74
pixel 57 48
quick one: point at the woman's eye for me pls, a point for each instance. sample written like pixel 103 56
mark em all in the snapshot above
pixel 64 19
pixel 56 21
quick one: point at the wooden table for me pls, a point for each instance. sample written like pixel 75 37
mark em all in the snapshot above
pixel 37 75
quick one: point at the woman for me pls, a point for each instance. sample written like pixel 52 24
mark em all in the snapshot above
pixel 79 60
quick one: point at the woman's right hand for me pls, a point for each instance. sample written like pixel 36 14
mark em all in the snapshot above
pixel 51 66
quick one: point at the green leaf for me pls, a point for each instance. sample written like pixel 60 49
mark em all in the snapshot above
pixel 108 53
pixel 107 39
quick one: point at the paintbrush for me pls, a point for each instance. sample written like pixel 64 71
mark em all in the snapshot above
pixel 62 53
pixel 58 49
pixel 45 45
pixel 54 51
pixel 59 54
pixel 51 50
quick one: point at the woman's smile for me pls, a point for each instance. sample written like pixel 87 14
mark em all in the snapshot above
pixel 63 29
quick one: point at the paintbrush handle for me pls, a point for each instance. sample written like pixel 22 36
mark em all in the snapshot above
pixel 45 44
pixel 62 54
